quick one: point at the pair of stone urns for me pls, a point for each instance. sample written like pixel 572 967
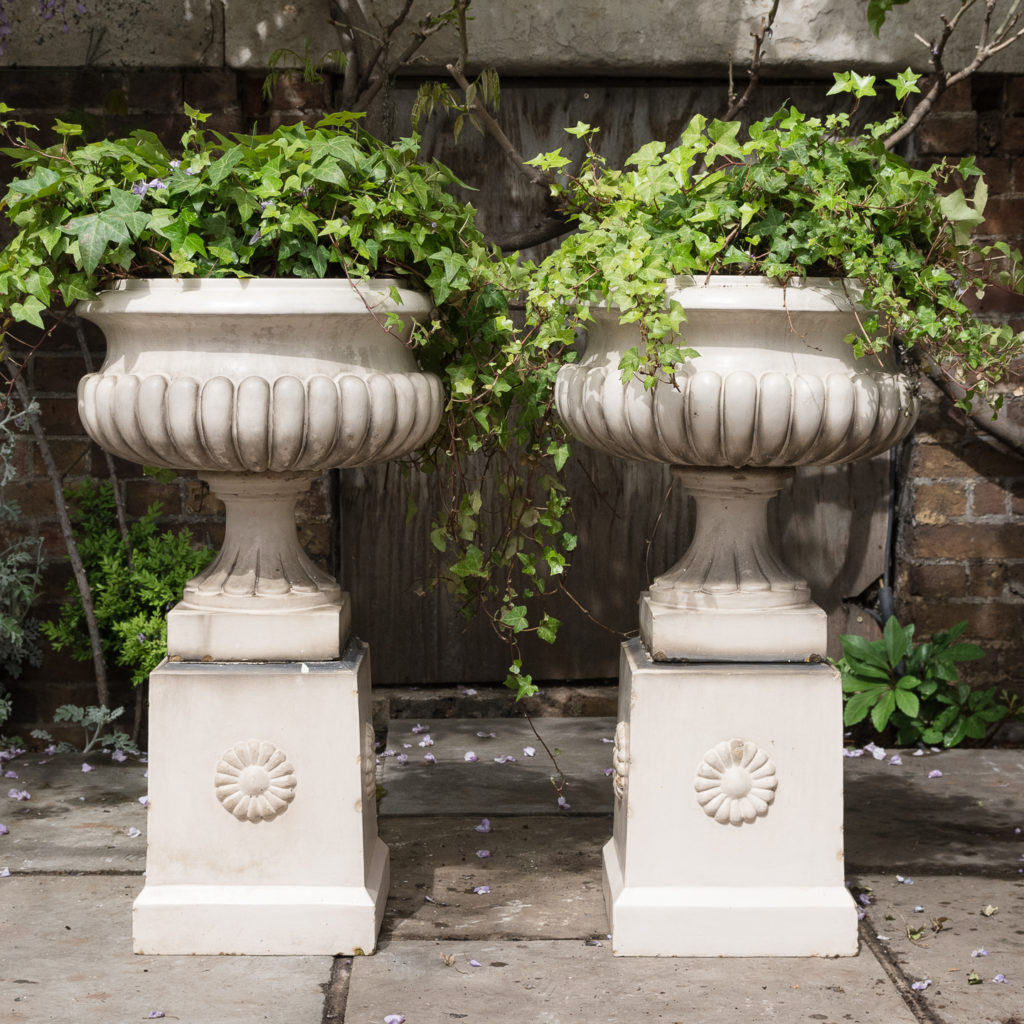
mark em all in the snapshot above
pixel 727 761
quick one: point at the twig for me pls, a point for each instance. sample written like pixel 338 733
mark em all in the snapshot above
pixel 754 69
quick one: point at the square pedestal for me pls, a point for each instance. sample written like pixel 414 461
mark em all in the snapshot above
pixel 262 810
pixel 277 634
pixel 728 836
pixel 733 634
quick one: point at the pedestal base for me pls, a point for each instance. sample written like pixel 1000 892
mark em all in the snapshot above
pixel 732 634
pixel 262 813
pixel 305 634
pixel 729 812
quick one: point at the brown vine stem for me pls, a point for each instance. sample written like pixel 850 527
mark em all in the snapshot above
pixel 82 581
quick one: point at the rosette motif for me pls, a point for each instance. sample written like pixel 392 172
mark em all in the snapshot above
pixel 255 781
pixel 736 782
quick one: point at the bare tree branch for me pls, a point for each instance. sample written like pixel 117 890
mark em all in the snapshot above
pixel 754 68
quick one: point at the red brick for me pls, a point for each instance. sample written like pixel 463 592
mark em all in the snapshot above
pixel 957 98
pixel 1013 134
pixel 1004 216
pixel 1013 94
pixel 936 503
pixel 987 579
pixel 998 171
pixel 59 416
pixel 965 461
pixel 975 540
pixel 948 135
pixel 140 494
pixel 988 499
pixel 56 373
pixel 34 497
pixel 986 621
pixel 214 91
pixel 936 580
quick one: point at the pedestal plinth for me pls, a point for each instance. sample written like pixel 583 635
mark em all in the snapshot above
pixel 728 836
pixel 262 810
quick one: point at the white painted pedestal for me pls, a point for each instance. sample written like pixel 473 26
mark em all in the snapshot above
pixel 760 746
pixel 262 814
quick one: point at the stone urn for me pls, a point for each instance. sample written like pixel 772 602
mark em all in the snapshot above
pixel 775 386
pixel 258 386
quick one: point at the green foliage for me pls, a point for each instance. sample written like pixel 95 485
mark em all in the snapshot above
pixel 877 11
pixel 914 690
pixel 792 196
pixel 132 591
pixel 93 721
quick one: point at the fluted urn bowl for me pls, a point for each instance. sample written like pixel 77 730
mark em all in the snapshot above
pixel 775 386
pixel 258 386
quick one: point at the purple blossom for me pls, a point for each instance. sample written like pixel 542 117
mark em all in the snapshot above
pixel 529 751
pixel 156 1013
pixel 483 854
pixel 484 826
pixel 141 637
pixel 402 759
pixel 426 741
pixel 865 898
pixel 920 986
pixel 10 775
pixel 935 774
pixel 175 164
pixel 430 759
pixel 847 752
pixel 395 1018
pixel 1002 979
pixel 904 881
pixel 119 756
pixel 895 759
pixel 86 767
pixel 417 728
pixel 481 890
pixel 475 963
pixel 5 872
pixel 487 735
pixel 980 952
pixel 468 691
pixel 609 772
pixel 19 794
pixel 4 830
pixel 505 759
pixel 563 804
pixel 470 756
pixel 144 800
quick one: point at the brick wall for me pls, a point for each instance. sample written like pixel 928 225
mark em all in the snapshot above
pixel 961 547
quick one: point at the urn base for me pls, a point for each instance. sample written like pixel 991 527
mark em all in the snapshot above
pixel 732 634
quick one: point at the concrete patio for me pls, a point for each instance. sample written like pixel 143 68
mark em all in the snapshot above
pixel 520 934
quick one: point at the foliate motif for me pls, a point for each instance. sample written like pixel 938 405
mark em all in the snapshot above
pixel 736 782
pixel 620 760
pixel 255 781
pixel 369 766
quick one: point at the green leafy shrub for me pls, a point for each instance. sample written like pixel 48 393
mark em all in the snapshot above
pixel 914 690
pixel 93 722
pixel 132 590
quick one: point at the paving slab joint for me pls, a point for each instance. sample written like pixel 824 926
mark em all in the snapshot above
pixel 921 1011
pixel 336 991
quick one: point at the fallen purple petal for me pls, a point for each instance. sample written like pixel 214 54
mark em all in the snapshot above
pixel 875 751
pixel 468 692
pixel 153 1014
pixel 563 804
pixel 430 759
pixel 858 752
pixel 394 1018
pixel 529 751
pixel 861 913
pixel 481 890
pixel 918 910
pixel 119 756
pixel 919 752
pixel 1002 979
pixel 935 774
pixel 4 830
pixel 483 854
pixel 19 794
pixel 407 746
pixel 980 952
pixel 470 756
pixel 402 759
pixel 133 833
pixel 144 800
pixel 5 872
pixel 417 728
pixel 904 881
pixel 484 826
pixel 426 741
pixel 920 986
pixel 475 963
pixel 895 759
pixel 505 759
pixel 86 767
pixel 608 772
pixel 865 898
pixel 487 735
pixel 607 739
pixel 10 775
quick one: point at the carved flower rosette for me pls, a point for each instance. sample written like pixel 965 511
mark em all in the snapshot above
pixel 255 781
pixel 736 782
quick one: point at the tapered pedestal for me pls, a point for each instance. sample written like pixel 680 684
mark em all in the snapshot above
pixel 728 836
pixel 262 810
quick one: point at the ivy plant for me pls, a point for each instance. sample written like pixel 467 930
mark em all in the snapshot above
pixel 914 690
pixel 789 197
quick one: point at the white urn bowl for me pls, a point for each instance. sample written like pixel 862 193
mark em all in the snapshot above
pixel 258 386
pixel 775 386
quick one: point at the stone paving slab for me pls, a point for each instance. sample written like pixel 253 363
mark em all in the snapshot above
pixel 67 956
pixel 570 982
pixel 452 785
pixel 544 876
pixel 73 820
pixel 943 957
pixel 964 820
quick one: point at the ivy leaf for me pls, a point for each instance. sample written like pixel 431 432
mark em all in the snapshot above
pixel 94 233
